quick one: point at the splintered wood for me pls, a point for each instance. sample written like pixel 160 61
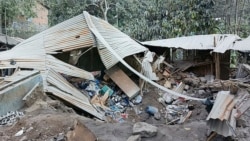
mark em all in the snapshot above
pixel 123 81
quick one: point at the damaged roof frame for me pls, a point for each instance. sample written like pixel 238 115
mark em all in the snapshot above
pixel 79 32
pixel 223 42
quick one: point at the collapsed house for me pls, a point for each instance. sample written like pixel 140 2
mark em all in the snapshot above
pixel 79 45
pixel 39 52
pixel 209 55
pixel 199 51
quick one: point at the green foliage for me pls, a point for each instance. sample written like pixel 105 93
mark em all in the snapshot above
pixel 143 19
pixel 157 19
pixel 10 9
pixel 61 10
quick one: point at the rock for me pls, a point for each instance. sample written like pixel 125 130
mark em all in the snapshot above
pixel 31 128
pixel 80 133
pixel 241 123
pixel 178 77
pixel 186 87
pixel 203 79
pixel 144 129
pixel 60 137
pixel 201 92
pixel 192 81
pixel 24 138
pixel 157 116
pixel 168 99
pixel 134 138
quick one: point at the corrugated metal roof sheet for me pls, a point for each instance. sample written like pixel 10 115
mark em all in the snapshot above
pixel 120 42
pixel 72 34
pixel 221 119
pixel 9 41
pixel 101 39
pixel 199 42
pixel 243 45
pixel 226 43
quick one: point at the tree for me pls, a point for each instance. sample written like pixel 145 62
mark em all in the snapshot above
pixel 143 19
pixel 234 16
pixel 11 9
pixel 157 19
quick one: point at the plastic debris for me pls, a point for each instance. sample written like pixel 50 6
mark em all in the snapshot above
pixel 19 133
pixel 151 110
pixel 10 118
pixel 137 99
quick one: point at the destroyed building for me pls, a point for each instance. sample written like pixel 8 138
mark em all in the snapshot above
pixel 65 60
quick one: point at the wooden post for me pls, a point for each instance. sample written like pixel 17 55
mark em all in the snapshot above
pixel 217 65
pixel 217 62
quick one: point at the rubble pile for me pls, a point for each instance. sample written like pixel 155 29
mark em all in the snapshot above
pixel 107 97
pixel 113 95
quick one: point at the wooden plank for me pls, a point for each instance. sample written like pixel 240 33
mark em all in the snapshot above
pixel 123 81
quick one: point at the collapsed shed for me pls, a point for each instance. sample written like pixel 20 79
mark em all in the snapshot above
pixel 41 52
pixel 198 51
pixel 38 53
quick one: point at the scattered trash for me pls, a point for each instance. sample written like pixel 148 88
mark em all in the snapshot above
pixel 10 118
pixel 137 99
pixel 20 132
pixel 151 110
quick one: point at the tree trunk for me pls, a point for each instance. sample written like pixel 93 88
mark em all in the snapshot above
pixel 1 32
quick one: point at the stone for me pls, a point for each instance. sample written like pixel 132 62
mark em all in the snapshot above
pixel 134 138
pixel 28 130
pixel 203 79
pixel 60 137
pixel 192 81
pixel 186 87
pixel 168 99
pixel 77 133
pixel 144 129
pixel 178 77
pixel 157 116
pixel 24 138
pixel 201 92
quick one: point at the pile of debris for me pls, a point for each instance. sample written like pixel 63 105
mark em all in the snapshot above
pixel 109 95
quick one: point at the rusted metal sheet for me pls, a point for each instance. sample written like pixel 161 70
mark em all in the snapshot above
pixel 199 42
pixel 221 118
pixel 123 81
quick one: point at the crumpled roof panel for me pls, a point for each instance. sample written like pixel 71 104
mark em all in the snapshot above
pixel 199 42
pixel 243 45
pixel 120 42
